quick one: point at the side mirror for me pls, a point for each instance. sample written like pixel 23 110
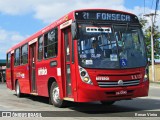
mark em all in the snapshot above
pixel 74 30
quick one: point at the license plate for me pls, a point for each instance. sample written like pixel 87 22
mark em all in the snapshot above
pixel 122 92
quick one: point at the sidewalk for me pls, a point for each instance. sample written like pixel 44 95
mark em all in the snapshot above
pixel 154 84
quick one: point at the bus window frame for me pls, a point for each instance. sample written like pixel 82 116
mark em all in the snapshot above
pixel 21 59
pixel 46 34
pixel 8 60
pixel 19 56
pixel 42 48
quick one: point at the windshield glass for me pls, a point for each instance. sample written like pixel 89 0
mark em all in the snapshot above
pixel 113 47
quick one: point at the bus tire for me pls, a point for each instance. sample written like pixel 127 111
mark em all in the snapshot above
pixel 108 103
pixel 18 90
pixel 55 96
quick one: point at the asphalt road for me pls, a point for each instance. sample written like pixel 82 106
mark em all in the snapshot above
pixel 135 109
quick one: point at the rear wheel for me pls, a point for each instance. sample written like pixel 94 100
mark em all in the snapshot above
pixel 107 102
pixel 55 96
pixel 18 91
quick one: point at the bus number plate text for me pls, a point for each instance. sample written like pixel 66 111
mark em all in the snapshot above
pixel 122 92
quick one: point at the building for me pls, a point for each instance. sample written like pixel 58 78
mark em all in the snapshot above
pixel 2 70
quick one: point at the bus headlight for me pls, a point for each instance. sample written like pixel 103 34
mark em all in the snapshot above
pixel 146 74
pixel 84 76
pixel 86 79
pixel 145 78
pixel 83 73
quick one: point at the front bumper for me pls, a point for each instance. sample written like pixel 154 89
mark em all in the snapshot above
pixel 88 93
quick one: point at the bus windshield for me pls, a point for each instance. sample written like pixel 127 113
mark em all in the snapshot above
pixel 111 46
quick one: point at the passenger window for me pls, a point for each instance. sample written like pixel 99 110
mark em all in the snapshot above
pixel 24 54
pixel 50 44
pixel 17 57
pixel 8 60
pixel 40 48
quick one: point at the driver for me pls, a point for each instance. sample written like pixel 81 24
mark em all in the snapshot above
pixel 96 47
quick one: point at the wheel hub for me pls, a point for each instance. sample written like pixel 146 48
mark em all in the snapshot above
pixel 55 94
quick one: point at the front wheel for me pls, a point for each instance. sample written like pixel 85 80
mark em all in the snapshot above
pixel 55 96
pixel 108 103
pixel 18 91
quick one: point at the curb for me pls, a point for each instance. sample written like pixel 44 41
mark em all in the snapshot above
pixel 156 85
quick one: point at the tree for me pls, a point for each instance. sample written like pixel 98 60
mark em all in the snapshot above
pixel 147 35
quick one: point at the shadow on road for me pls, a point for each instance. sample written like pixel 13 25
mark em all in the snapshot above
pixel 138 104
pixel 120 106
pixel 36 98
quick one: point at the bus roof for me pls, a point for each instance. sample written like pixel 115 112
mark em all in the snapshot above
pixel 63 19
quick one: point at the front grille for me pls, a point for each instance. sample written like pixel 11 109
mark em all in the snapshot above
pixel 115 83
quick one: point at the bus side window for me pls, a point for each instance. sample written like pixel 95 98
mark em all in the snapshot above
pixel 40 48
pixel 17 57
pixel 50 44
pixel 24 54
pixel 8 60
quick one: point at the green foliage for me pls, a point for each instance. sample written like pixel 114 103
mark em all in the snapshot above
pixel 147 35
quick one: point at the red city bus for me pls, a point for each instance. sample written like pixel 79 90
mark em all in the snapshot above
pixel 87 55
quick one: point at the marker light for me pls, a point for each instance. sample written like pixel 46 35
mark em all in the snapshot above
pixel 146 74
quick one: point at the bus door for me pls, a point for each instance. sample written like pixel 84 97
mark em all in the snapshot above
pixel 12 70
pixel 68 66
pixel 32 67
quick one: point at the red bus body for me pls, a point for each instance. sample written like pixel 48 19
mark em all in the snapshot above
pixel 36 76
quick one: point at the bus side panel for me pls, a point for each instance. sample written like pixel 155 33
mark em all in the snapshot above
pixel 43 72
pixel 41 78
pixel 21 74
pixel 8 78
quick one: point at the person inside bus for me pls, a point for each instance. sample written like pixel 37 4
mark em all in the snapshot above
pixel 96 53
pixel 97 50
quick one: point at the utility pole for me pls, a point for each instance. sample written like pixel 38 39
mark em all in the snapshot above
pixel 152 45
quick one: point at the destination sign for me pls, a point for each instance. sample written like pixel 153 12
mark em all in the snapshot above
pixel 106 16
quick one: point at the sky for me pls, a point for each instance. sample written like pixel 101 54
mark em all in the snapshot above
pixel 20 19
